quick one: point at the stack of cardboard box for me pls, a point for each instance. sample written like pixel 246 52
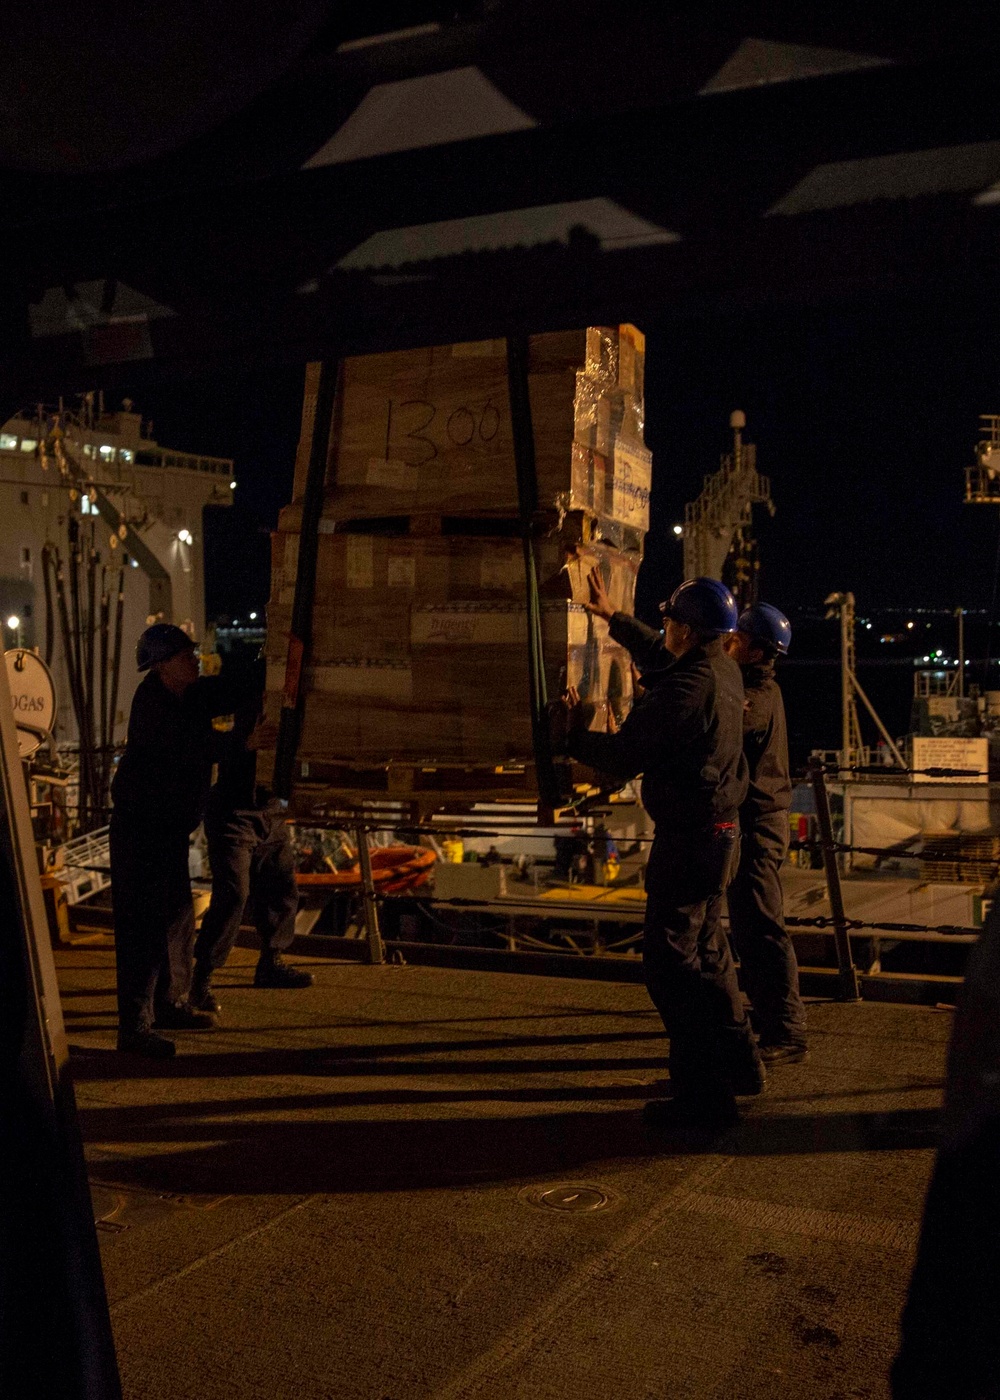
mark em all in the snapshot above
pixel 419 648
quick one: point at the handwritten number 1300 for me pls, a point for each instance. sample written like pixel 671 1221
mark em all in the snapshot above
pixel 462 427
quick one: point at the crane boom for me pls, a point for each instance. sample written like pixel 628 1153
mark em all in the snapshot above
pixel 718 519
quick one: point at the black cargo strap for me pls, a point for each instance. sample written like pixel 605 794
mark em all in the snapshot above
pixel 527 501
pixel 300 630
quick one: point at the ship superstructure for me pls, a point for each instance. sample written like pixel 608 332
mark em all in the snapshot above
pixel 97 485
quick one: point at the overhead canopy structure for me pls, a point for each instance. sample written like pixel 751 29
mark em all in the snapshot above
pixel 512 164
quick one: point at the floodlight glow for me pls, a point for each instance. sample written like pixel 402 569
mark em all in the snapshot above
pixel 13 622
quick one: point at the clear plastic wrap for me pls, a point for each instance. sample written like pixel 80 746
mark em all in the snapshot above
pixel 608 423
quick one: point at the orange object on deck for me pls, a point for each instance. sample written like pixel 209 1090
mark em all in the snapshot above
pixel 394 868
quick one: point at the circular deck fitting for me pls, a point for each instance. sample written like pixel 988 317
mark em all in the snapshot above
pixel 106 1203
pixel 568 1196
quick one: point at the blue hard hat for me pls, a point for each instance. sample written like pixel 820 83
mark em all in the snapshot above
pixel 766 625
pixel 705 604
pixel 159 643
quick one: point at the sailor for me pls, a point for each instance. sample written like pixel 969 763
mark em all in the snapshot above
pixel 250 853
pixel 684 735
pixel 756 910
pixel 159 796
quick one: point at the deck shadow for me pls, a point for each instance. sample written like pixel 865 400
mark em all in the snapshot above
pixel 202 1151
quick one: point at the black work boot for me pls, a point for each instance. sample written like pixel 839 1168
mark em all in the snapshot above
pixel 273 971
pixel 146 1044
pixel 783 1052
pixel 178 1016
pixel 202 997
pixel 749 1077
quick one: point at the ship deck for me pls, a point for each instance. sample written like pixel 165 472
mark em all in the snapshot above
pixel 334 1195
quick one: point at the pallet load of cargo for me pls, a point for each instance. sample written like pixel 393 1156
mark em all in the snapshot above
pixel 416 683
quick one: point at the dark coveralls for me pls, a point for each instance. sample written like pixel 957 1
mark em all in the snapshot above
pixel 756 912
pixel 950 1339
pixel 250 852
pixel 684 734
pixel 159 797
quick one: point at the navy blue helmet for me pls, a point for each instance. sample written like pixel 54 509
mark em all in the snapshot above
pixel 705 604
pixel 766 626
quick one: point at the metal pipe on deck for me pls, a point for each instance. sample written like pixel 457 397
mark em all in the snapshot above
pixel 376 948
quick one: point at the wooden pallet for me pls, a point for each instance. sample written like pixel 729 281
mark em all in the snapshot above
pixel 573 526
pixel 962 859
pixel 326 788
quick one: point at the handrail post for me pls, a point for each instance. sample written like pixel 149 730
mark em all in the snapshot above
pixel 849 987
pixel 376 948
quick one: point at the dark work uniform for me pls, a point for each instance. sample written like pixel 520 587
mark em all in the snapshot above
pixel 159 796
pixel 250 852
pixel 950 1337
pixel 684 734
pixel 756 911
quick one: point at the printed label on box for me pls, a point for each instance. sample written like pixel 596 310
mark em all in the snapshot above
pixel 577 626
pixel 632 480
pixel 402 571
pixel 360 561
pixel 444 627
pixel 390 472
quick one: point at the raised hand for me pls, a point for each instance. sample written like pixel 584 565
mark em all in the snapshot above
pixel 600 604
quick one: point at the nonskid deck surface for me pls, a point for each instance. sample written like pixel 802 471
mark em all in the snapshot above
pixel 334 1196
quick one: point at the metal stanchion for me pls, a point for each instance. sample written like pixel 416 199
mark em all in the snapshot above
pixel 849 987
pixel 376 948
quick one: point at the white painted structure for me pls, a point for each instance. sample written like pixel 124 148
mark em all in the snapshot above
pixel 148 497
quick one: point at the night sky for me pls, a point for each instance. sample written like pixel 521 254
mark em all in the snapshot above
pixel 864 418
